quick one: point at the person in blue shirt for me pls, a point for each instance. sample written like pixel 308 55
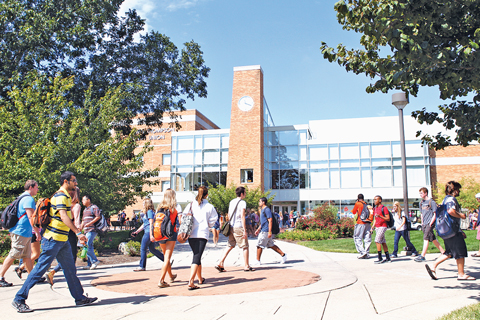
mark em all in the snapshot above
pixel 21 233
pixel 264 232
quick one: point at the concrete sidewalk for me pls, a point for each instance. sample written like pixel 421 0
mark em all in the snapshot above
pixel 348 289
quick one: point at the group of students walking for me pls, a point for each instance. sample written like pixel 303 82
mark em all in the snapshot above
pixel 379 217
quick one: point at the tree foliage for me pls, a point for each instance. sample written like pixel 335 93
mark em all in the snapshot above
pixel 72 77
pixel 43 134
pixel 466 199
pixel 428 43
pixel 220 197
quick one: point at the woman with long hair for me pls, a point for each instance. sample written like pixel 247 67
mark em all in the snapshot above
pixel 169 203
pixel 148 241
pixel 455 246
pixel 204 217
pixel 401 230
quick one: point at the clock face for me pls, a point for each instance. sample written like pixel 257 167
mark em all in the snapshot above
pixel 245 103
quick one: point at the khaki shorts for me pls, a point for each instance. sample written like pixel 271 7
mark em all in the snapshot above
pixel 236 238
pixel 264 241
pixel 21 247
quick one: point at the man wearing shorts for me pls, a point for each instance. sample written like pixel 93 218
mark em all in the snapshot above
pixel 381 216
pixel 264 233
pixel 21 234
pixel 238 232
pixel 427 210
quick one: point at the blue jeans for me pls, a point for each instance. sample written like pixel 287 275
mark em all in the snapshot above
pixel 405 236
pixel 146 243
pixel 91 253
pixel 52 249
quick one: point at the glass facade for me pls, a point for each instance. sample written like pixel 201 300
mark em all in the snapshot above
pixel 200 158
pixel 295 162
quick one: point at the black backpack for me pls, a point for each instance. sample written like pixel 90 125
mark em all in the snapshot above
pixel 391 222
pixel 275 226
pixel 9 215
pixel 167 227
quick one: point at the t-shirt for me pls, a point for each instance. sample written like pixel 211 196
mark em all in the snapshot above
pixel 451 202
pixel 264 216
pixel 58 230
pixel 90 213
pixel 398 221
pixel 23 227
pixel 236 219
pixel 146 222
pixel 427 208
pixel 379 222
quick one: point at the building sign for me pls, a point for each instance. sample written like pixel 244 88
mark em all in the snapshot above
pixel 159 136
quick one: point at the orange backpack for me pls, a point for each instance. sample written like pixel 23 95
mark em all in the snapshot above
pixel 41 217
pixel 160 217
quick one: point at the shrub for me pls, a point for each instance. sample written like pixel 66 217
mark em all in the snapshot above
pixel 5 244
pixel 345 227
pixel 298 235
pixel 133 248
pixel 326 214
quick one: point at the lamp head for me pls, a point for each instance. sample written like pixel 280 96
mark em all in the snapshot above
pixel 399 100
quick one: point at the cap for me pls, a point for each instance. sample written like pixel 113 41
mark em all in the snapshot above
pixel 477 196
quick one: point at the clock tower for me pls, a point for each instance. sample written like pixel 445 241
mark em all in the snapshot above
pixel 246 147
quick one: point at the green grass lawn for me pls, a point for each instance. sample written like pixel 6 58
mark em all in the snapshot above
pixel 346 245
pixel 467 313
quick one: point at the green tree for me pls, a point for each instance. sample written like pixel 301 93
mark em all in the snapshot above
pixel 466 199
pixel 43 134
pixel 427 43
pixel 220 197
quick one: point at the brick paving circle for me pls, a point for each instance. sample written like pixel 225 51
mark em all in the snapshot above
pixel 235 280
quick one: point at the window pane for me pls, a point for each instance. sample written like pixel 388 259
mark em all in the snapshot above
pixel 318 164
pixel 223 178
pixel 381 150
pixel 381 162
pixel 287 153
pixel 318 153
pixel 333 152
pixel 304 183
pixel 211 168
pixel 174 143
pixel 211 178
pixel 416 176
pixel 349 163
pixel 224 156
pixel 275 179
pixel 414 149
pixel 289 179
pixel 288 137
pixel 185 143
pixel 303 153
pixel 303 136
pixel 350 178
pixel 397 177
pixel 184 157
pixel 289 165
pixel 165 185
pixel 415 161
pixel 211 156
pixel 334 178
pixel 225 141
pixel 364 150
pixel 366 177
pixel 246 175
pixel 211 142
pixel 333 164
pixel 365 162
pixel 349 151
pixel 319 179
pixel 198 142
pixel 382 177
pixel 198 157
pixel 396 151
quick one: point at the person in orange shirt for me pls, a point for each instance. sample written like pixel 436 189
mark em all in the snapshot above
pixel 362 234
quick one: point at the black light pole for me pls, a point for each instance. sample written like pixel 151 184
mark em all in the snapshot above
pixel 400 100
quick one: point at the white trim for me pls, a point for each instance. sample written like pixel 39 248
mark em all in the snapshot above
pixel 455 161
pixel 164 174
pixel 247 68
pixel 182 118
pixel 201 132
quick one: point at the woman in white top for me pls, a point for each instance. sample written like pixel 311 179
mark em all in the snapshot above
pixel 401 230
pixel 204 217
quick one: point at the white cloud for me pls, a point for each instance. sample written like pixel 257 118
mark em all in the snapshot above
pixel 179 4
pixel 146 10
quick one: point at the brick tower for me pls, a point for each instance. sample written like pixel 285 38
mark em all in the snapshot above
pixel 245 155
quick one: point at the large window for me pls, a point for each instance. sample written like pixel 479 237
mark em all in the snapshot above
pixel 246 175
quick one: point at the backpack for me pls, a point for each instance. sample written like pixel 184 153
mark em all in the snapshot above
pixel 391 222
pixel 365 215
pixel 41 216
pixel 163 227
pixel 9 215
pixel 275 226
pixel 446 226
pixel 101 226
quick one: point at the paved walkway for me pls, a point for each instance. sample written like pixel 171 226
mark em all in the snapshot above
pixel 347 288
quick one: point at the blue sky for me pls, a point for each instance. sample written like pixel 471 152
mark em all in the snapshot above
pixel 283 37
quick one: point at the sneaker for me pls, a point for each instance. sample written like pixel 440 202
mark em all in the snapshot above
pixel 86 267
pixel 49 277
pixel 19 272
pixel 379 261
pixel 42 280
pixel 284 259
pixel 420 258
pixel 393 256
pixel 257 263
pixel 139 269
pixel 414 254
pixel 388 260
pixel 95 265
pixel 85 302
pixel 4 283
pixel 367 256
pixel 21 307
pixel 362 256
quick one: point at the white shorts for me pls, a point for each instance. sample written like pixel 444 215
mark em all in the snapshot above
pixel 264 241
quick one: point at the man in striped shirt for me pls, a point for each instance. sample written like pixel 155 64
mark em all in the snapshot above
pixel 55 245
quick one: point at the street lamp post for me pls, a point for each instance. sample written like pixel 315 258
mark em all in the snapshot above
pixel 400 100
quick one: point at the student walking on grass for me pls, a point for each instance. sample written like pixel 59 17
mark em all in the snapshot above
pixel 455 246
pixel 381 216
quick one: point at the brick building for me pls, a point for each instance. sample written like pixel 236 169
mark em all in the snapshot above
pixel 304 165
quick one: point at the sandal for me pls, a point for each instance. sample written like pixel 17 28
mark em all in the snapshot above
pixel 220 269
pixel 194 287
pixel 18 271
pixel 466 278
pixel 476 255
pixel 249 269
pixel 203 281
pixel 163 284
pixel 174 276
pixel 432 273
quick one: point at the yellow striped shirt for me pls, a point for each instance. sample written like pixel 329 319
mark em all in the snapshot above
pixel 58 230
